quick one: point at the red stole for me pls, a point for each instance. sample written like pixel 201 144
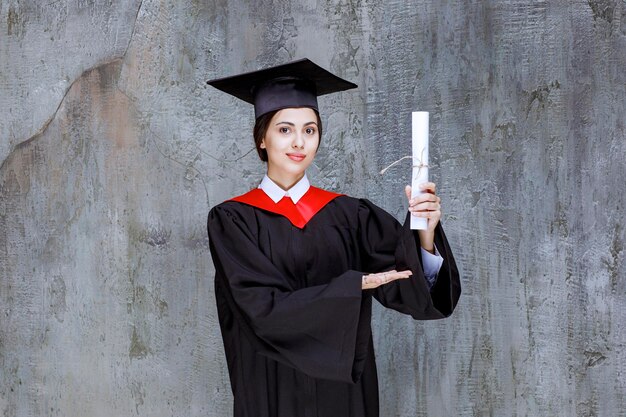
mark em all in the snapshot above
pixel 298 214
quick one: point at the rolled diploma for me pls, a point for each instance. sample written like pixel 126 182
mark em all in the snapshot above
pixel 420 156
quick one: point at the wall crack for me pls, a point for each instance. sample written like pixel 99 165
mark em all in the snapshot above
pixel 22 143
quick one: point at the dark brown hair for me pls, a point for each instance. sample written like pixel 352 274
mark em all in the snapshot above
pixel 262 124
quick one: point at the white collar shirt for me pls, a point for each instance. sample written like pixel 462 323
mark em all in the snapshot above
pixel 276 193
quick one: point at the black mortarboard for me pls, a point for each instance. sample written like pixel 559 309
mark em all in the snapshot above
pixel 296 84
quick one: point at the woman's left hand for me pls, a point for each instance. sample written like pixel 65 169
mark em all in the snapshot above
pixel 426 205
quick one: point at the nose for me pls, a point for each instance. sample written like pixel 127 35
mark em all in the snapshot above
pixel 298 141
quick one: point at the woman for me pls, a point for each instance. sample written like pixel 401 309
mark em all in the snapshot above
pixel 297 266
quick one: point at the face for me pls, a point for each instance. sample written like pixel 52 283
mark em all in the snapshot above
pixel 291 142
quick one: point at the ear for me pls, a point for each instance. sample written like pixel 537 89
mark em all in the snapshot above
pixel 262 145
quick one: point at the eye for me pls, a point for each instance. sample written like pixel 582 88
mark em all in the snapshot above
pixel 310 131
pixel 283 129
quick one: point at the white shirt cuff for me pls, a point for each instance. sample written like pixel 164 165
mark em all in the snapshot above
pixel 431 264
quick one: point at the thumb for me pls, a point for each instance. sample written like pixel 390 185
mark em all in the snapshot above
pixel 407 191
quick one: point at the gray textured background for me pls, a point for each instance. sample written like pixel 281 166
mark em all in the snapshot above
pixel 112 151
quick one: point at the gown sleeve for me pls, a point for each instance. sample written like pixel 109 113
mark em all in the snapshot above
pixel 386 245
pixel 320 330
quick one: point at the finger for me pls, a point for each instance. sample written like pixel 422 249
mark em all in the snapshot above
pixel 401 274
pixel 429 187
pixel 397 276
pixel 426 206
pixel 426 194
pixel 425 197
pixel 407 191
pixel 427 214
pixel 391 272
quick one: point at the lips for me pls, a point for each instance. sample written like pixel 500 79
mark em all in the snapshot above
pixel 298 157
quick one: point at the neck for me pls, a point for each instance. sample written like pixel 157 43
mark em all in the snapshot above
pixel 285 182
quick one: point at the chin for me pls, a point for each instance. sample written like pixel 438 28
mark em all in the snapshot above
pixel 297 170
pixel 291 168
pixel 293 171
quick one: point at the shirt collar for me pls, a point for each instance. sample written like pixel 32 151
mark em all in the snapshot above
pixel 274 192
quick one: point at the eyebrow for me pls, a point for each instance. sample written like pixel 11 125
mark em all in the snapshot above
pixel 291 124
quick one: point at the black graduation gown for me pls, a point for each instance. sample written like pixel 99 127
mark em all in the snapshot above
pixel 293 317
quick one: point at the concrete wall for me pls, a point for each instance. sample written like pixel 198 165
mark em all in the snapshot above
pixel 112 151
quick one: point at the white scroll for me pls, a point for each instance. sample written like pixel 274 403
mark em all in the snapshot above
pixel 420 161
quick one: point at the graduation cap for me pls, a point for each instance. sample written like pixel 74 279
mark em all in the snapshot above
pixel 295 84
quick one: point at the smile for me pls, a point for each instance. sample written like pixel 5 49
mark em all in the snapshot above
pixel 296 156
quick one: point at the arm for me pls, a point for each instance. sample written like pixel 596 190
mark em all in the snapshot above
pixel 386 245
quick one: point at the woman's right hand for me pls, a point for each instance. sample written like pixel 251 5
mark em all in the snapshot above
pixel 371 281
